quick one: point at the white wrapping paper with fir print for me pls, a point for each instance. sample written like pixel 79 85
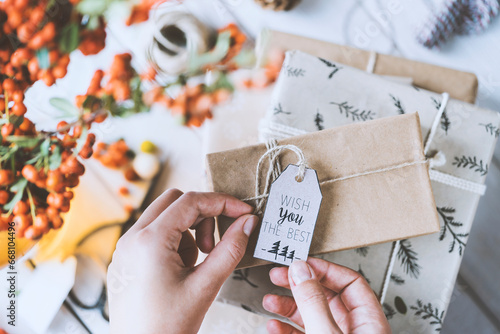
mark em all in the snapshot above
pixel 312 94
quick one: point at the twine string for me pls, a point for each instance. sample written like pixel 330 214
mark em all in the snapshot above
pixel 273 152
pixel 435 124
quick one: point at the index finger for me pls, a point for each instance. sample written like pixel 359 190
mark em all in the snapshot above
pixel 354 290
pixel 192 207
pixel 352 287
pixel 156 208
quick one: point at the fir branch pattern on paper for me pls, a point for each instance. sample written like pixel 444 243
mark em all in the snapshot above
pixel 279 110
pixel 388 311
pixel 318 121
pixel 363 251
pixel 427 311
pixel 491 129
pixel 398 104
pixel 355 114
pixel 242 275
pixel 334 68
pixel 408 258
pixel 398 280
pixel 459 239
pixel 296 72
pixel 471 163
pixel 445 120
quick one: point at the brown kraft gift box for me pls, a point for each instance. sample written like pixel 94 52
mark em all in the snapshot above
pixel 360 211
pixel 460 85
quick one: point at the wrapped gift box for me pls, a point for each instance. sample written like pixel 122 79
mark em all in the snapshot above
pixel 425 270
pixel 352 169
pixel 460 85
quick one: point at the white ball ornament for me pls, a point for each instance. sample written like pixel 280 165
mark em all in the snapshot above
pixel 146 165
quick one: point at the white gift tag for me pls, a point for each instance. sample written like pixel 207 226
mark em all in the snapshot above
pixel 291 212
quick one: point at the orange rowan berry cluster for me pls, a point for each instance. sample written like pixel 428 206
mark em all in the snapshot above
pixel 115 84
pixel 37 172
pixel 269 74
pixel 238 38
pixel 194 102
pixel 114 155
pixel 30 45
pixel 117 155
pixel 92 41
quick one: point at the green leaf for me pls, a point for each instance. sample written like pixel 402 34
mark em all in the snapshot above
pixel 93 23
pixel 222 82
pixel 69 38
pixel 23 141
pixel 16 120
pixel 33 160
pixel 246 58
pixel 18 188
pixel 92 7
pixel 55 158
pixel 215 55
pixel 43 58
pixel 90 100
pixel 44 147
pixel 65 106
pixel 8 154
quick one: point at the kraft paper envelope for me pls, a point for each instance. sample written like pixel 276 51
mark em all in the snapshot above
pixel 460 85
pixel 360 211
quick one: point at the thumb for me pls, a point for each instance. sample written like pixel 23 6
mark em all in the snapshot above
pixel 226 255
pixel 310 299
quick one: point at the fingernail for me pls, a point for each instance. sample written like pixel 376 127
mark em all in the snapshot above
pixel 300 272
pixel 250 224
pixel 266 302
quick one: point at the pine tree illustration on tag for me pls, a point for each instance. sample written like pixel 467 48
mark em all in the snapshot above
pixel 290 216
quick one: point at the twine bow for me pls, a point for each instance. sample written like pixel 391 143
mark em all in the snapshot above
pixel 273 152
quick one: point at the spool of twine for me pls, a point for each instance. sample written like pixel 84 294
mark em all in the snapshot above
pixel 177 35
